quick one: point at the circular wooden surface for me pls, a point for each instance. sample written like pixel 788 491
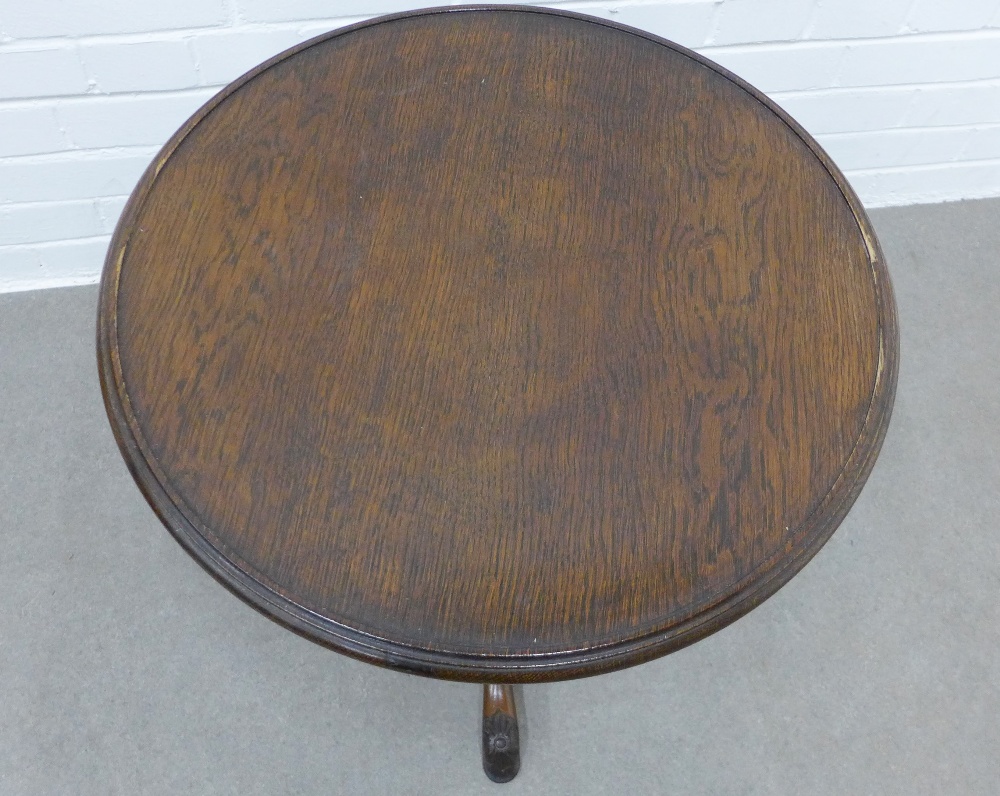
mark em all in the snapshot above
pixel 497 344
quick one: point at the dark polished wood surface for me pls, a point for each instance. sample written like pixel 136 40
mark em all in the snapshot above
pixel 500 345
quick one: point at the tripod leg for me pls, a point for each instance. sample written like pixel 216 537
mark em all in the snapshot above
pixel 501 745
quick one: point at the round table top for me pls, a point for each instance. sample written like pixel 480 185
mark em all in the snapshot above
pixel 497 343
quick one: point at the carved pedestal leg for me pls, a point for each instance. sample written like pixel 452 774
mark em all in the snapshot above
pixel 501 745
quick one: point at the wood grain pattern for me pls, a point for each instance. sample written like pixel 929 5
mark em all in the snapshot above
pixel 497 344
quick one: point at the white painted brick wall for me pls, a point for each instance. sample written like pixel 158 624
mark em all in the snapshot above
pixel 741 21
pixel 221 55
pixel 904 94
pixel 76 174
pixel 856 19
pixel 271 11
pixel 41 72
pixel 73 18
pixel 40 222
pixel 687 22
pixel 928 16
pixel 141 66
pixel 127 120
pixel 29 130
pixel 780 67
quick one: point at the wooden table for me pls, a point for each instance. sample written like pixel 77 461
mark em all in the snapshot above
pixel 497 344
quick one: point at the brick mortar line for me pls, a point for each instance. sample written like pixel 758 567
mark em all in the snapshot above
pixel 15 103
pixel 925 128
pixel 32 44
pixel 983 34
pixel 924 167
pixel 43 202
pixel 886 87
pixel 82 154
pixel 167 34
pixel 53 244
pixel 47 283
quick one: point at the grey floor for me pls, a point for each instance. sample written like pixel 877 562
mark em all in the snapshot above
pixel 125 669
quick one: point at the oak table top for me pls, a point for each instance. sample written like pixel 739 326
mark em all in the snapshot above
pixel 497 344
